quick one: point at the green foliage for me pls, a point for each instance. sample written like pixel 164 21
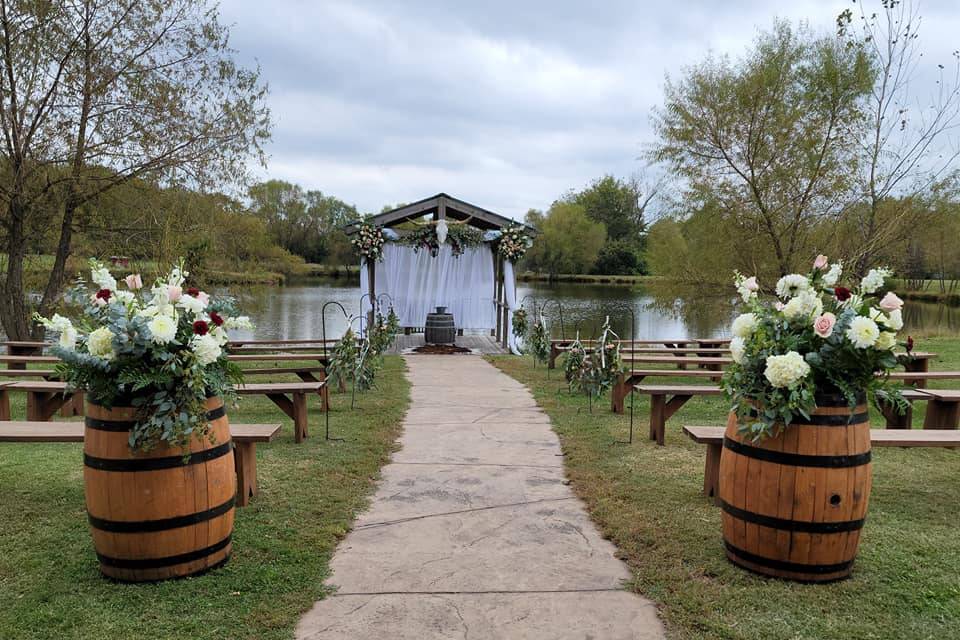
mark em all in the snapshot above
pixel 619 257
pixel 569 241
pixel 520 324
pixel 343 359
pixel 615 203
pixel 459 237
pixel 602 365
pixel 540 341
pixel 574 362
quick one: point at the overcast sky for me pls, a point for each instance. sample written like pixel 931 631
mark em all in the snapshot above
pixel 506 104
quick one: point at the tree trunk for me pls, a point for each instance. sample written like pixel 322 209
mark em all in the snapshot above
pixel 56 278
pixel 13 311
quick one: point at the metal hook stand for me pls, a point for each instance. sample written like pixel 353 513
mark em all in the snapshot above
pixel 563 334
pixel 374 302
pixel 323 325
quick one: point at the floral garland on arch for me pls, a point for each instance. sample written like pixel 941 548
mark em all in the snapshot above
pixel 369 241
pixel 818 336
pixel 514 242
pixel 459 237
pixel 162 348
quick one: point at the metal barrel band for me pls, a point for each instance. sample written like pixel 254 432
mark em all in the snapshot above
pixel 165 524
pixel 118 426
pixel 156 464
pixel 783 524
pixel 784 565
pixel 797 459
pixel 168 561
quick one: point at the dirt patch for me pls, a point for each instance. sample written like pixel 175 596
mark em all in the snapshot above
pixel 441 349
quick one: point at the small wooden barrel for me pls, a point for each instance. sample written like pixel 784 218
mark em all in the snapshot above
pixel 794 505
pixel 439 328
pixel 157 515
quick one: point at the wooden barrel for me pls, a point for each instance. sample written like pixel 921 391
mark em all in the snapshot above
pixel 439 328
pixel 160 514
pixel 794 505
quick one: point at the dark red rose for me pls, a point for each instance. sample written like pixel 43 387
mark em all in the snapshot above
pixel 193 291
pixel 216 319
pixel 841 293
pixel 909 344
pixel 104 294
pixel 200 328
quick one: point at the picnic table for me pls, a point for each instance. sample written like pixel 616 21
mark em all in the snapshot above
pixel 244 436
pixel 713 438
pixel 558 346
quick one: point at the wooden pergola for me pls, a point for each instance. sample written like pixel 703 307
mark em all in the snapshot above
pixel 446 207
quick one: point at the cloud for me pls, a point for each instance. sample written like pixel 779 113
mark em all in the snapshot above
pixel 505 104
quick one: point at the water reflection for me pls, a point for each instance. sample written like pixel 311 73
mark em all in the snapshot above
pixel 293 311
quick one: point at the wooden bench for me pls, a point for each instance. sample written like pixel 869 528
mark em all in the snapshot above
pixel 666 400
pixel 558 346
pixel 943 409
pixel 245 438
pixel 305 373
pixel 629 379
pixel 290 397
pixel 46 374
pixel 713 438
pixel 45 398
pixel 4 401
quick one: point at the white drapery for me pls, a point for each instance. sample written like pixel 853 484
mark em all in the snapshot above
pixel 418 282
pixel 510 295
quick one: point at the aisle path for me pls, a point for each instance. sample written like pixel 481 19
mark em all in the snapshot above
pixel 472 532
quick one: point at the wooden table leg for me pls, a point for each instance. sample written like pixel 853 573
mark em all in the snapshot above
pixel 245 460
pixel 554 352
pixel 4 404
pixel 941 414
pixel 894 419
pixel 618 392
pixel 711 472
pixel 300 416
pixel 917 366
pixel 35 406
pixel 657 404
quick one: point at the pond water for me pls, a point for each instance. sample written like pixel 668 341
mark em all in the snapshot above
pixel 294 311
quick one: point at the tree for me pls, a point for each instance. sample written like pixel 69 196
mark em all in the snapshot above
pixel 768 137
pixel 905 146
pixel 570 240
pixel 95 93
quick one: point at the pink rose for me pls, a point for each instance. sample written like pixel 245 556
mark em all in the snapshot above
pixel 174 292
pixel 778 306
pixel 750 284
pixel 133 281
pixel 203 297
pixel 98 300
pixel 823 325
pixel 891 302
pixel 820 263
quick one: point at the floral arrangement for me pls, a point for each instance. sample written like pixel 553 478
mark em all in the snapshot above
pixel 162 348
pixel 573 364
pixel 540 340
pixel 520 323
pixel 603 365
pixel 816 337
pixel 369 241
pixel 514 242
pixel 344 357
pixel 459 237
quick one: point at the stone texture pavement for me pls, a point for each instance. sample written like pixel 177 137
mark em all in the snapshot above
pixel 472 532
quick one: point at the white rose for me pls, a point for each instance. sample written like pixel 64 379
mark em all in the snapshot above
pixel 100 343
pixel 786 370
pixel 886 341
pixel 126 297
pixel 807 305
pixel 874 280
pixel 738 349
pixel 102 278
pixel 863 332
pixel 791 285
pixel 831 277
pixel 163 329
pixel 194 305
pixel 239 322
pixel 68 338
pixel 205 348
pixel 895 320
pixel 58 323
pixel 744 325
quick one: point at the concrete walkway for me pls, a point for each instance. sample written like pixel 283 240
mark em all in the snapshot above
pixel 472 532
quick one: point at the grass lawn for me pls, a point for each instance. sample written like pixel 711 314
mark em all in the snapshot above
pixel 648 501
pixel 50 586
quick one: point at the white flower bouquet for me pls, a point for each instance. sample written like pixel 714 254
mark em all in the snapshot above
pixel 369 241
pixel 815 337
pixel 514 242
pixel 161 350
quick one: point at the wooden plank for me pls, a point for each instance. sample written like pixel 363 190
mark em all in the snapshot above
pixel 280 387
pixel 276 357
pixel 692 389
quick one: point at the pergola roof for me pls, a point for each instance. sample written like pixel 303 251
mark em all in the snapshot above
pixel 440 206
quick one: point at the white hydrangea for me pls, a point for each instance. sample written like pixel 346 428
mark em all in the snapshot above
pixel 100 343
pixel 886 341
pixel 738 349
pixel 68 338
pixel 791 285
pixel 163 329
pixel 58 323
pixel 786 370
pixel 863 332
pixel 241 322
pixel 742 326
pixel 895 320
pixel 205 348
pixel 832 276
pixel 874 279
pixel 102 278
pixel 807 305
pixel 194 305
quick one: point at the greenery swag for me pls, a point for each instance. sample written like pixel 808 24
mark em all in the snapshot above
pixel 459 237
